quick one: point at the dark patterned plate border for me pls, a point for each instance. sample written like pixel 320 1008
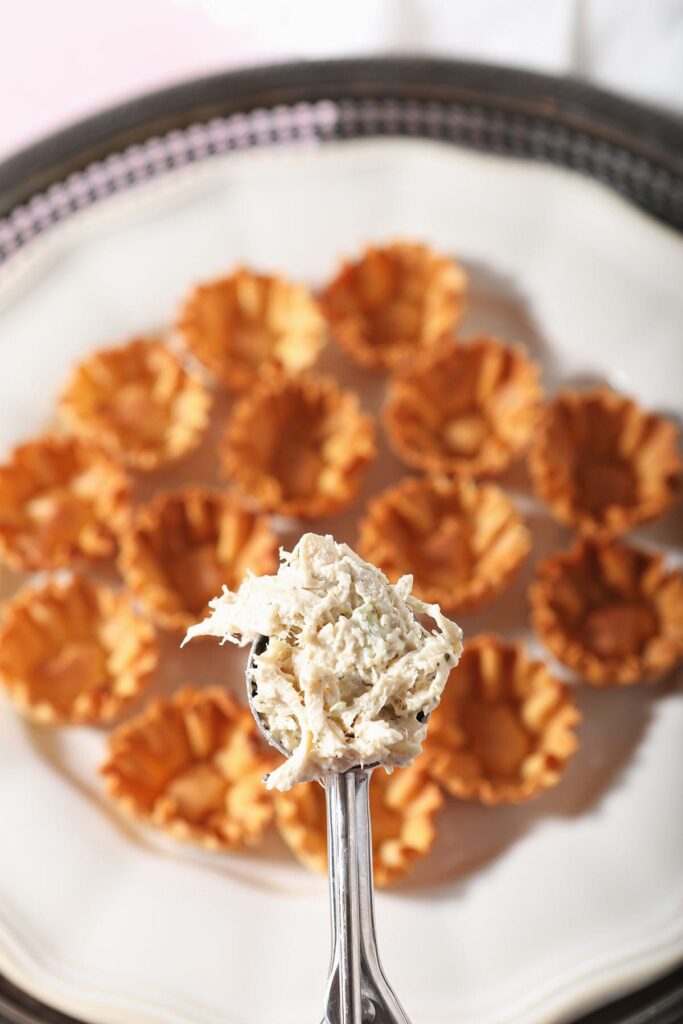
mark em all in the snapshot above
pixel 633 149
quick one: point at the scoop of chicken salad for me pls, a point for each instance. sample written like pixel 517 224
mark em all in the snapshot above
pixel 349 675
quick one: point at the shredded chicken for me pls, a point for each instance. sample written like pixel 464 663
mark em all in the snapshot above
pixel 349 675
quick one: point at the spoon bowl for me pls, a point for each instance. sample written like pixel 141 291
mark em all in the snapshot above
pixel 258 647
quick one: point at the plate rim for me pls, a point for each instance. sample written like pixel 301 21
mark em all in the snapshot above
pixel 652 137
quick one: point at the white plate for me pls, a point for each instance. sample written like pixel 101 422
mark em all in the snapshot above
pixel 521 915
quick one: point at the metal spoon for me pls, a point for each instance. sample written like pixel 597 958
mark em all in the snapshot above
pixel 357 990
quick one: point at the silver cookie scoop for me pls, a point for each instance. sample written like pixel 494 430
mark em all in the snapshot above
pixel 357 990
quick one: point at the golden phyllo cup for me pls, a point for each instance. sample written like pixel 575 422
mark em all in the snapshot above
pixel 463 542
pixel 464 407
pixel 603 464
pixel 403 809
pixel 139 402
pixel 611 612
pixel 298 447
pixel 184 546
pixel 301 819
pixel 61 499
pixel 393 301
pixel 245 324
pixel 505 728
pixel 74 651
pixel 193 765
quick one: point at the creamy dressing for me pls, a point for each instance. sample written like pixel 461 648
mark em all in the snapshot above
pixel 349 675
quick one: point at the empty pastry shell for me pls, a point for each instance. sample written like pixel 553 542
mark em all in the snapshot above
pixel 184 546
pixel 462 542
pixel 403 806
pixel 139 402
pixel 602 463
pixel 393 301
pixel 611 612
pixel 464 407
pixel 298 447
pixel 192 765
pixel 246 323
pixel 61 499
pixel 505 727
pixel 74 651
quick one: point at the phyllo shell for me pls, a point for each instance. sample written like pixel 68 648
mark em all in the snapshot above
pixel 464 407
pixel 462 542
pixel 184 546
pixel 298 447
pixel 403 808
pixel 74 651
pixel 393 301
pixel 611 612
pixel 192 765
pixel 244 324
pixel 603 464
pixel 139 402
pixel 505 728
pixel 61 499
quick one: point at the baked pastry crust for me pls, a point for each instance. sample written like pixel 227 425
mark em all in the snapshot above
pixel 185 545
pixel 463 542
pixel 61 499
pixel 192 765
pixel 74 651
pixel 393 301
pixel 504 730
pixel 464 407
pixel 403 806
pixel 611 612
pixel 602 463
pixel 245 324
pixel 139 402
pixel 298 447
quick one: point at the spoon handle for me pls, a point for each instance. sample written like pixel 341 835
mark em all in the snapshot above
pixel 357 990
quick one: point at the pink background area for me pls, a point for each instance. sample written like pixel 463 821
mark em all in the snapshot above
pixel 69 58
